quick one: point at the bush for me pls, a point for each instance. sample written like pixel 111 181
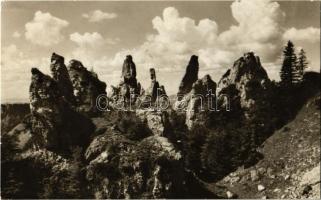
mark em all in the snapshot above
pixel 131 126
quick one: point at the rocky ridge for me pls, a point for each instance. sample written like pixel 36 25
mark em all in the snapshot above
pixel 79 152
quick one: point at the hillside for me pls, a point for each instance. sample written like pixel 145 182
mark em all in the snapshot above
pixel 290 164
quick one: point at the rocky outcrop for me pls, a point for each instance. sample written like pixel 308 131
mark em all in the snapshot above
pixel 191 75
pixel 155 93
pixel 128 89
pixel 121 168
pixel 196 96
pixel 157 121
pixel 60 75
pixel 86 87
pixel 201 100
pixel 248 78
pixel 54 125
pixel 47 106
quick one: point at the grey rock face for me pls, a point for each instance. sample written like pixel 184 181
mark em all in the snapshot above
pixel 129 70
pixel 121 168
pixel 60 75
pixel 87 87
pixel 155 91
pixel 129 88
pixel 54 124
pixel 46 105
pixel 191 75
pixel 249 79
pixel 201 100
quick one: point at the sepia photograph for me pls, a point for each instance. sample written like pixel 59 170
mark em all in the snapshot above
pixel 215 99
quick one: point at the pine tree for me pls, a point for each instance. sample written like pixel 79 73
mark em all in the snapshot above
pixel 288 70
pixel 301 64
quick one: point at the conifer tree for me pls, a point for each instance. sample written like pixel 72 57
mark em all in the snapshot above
pixel 301 64
pixel 288 70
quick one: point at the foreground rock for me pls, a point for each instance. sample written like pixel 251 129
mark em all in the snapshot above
pixel 122 168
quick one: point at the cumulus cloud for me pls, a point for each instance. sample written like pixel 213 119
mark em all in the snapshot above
pixel 310 34
pixel 90 50
pixel 16 34
pixel 178 37
pixel 258 28
pixel 98 15
pixel 45 29
pixel 15 72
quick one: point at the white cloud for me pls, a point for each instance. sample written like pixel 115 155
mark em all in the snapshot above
pixel 90 50
pixel 258 28
pixel 177 38
pixel 16 34
pixel 15 72
pixel 310 34
pixel 98 15
pixel 45 29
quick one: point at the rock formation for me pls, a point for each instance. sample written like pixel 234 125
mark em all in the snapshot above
pixel 249 79
pixel 129 88
pixel 202 100
pixel 155 93
pixel 46 105
pixel 54 124
pixel 87 87
pixel 191 75
pixel 60 75
pixel 195 96
pixel 121 168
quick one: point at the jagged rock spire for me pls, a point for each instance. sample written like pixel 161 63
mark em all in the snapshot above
pixel 249 80
pixel 60 74
pixel 129 70
pixel 191 75
pixel 152 74
pixel 87 86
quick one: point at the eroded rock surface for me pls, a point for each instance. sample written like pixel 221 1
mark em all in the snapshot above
pixel 60 75
pixel 54 124
pixel 246 79
pixel 191 75
pixel 129 88
pixel 87 87
pixel 121 168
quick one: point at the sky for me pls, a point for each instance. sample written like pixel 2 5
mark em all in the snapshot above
pixel 158 34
